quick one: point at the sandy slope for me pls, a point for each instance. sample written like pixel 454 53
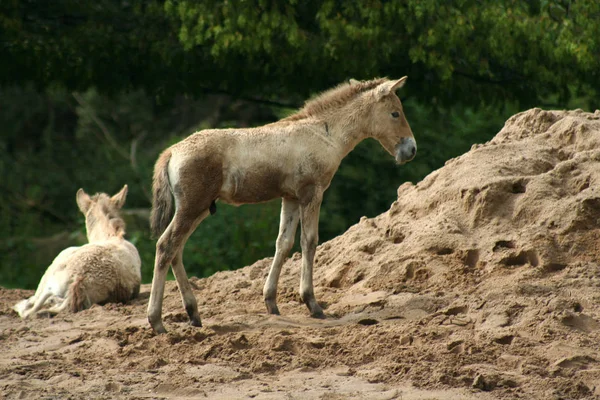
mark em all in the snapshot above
pixel 480 282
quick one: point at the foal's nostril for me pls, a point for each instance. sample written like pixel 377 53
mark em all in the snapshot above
pixel 406 150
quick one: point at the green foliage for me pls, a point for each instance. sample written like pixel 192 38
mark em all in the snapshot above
pixel 514 47
pixel 495 51
pixel 112 44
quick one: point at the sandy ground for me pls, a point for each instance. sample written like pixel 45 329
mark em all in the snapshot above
pixel 481 282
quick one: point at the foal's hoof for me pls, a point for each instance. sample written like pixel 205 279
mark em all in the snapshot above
pixel 315 309
pixel 159 330
pixel 157 327
pixel 272 308
pixel 196 322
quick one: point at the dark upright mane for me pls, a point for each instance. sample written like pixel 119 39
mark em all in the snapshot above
pixel 335 97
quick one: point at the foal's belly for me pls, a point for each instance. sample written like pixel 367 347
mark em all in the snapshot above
pixel 252 186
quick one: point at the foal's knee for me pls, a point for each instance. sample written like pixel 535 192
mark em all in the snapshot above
pixel 309 242
pixel 285 244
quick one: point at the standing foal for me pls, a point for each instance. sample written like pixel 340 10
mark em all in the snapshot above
pixel 294 158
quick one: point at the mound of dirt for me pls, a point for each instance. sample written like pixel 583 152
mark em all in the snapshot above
pixel 482 281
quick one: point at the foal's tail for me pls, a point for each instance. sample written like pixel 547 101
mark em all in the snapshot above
pixel 162 199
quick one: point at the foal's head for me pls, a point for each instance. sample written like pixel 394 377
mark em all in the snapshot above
pixel 386 121
pixel 102 219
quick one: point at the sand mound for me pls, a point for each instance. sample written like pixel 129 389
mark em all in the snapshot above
pixel 481 281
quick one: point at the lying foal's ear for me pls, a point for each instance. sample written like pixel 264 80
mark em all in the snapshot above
pixel 83 201
pixel 353 82
pixel 118 199
pixel 389 87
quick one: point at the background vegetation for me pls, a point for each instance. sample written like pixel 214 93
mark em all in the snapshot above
pixel 90 93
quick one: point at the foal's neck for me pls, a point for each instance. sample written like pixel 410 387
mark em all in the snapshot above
pixel 106 229
pixel 347 132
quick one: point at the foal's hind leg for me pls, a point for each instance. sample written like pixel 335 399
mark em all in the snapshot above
pixel 285 240
pixel 169 245
pixel 61 306
pixel 187 295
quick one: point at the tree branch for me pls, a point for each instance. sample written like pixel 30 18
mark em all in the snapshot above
pixel 134 165
pixel 208 90
pixel 101 125
pixel 19 201
pixel 481 79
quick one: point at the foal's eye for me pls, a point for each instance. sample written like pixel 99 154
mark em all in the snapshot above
pixel 395 114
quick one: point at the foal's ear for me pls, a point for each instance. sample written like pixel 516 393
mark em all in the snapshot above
pixel 118 200
pixel 353 82
pixel 389 87
pixel 83 201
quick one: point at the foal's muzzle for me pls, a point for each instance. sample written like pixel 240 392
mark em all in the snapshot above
pixel 406 150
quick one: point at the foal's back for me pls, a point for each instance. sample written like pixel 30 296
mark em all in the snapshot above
pixel 253 165
pixel 106 271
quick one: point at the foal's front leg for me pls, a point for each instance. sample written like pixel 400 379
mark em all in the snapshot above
pixel 309 215
pixel 285 240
